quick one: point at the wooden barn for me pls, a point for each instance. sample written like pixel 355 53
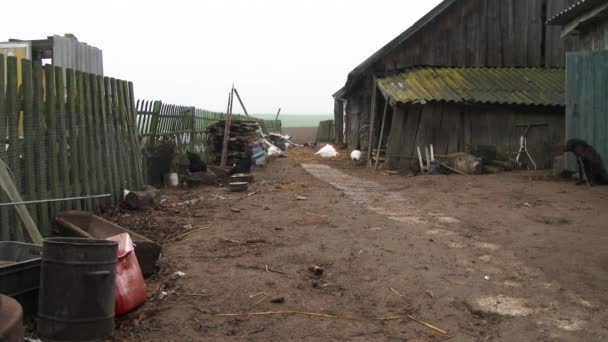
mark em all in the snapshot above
pixel 466 74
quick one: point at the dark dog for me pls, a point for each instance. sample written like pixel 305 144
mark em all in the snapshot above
pixel 196 163
pixel 590 163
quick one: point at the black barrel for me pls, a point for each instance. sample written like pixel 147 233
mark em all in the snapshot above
pixel 77 279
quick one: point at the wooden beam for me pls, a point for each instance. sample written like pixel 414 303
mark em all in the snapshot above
pixel 228 119
pixel 382 132
pixel 241 102
pixel 278 113
pixel 574 24
pixel 372 114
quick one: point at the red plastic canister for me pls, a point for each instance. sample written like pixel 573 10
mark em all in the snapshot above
pixel 130 286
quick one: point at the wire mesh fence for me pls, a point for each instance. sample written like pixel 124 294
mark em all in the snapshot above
pixel 68 135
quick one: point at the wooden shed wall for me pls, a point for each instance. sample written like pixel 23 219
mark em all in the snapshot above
pixel 455 128
pixel 480 33
pixel 486 33
pixel 595 36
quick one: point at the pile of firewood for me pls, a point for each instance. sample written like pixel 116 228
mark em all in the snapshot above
pixel 242 137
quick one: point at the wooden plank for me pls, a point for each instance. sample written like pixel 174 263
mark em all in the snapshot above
pixel 5 224
pixel 372 120
pixel 41 162
pixel 89 142
pixel 63 154
pixel 112 140
pixel 83 140
pixel 96 132
pixel 104 140
pixel 52 136
pixel 124 126
pixel 72 127
pixel 15 147
pixel 382 133
pixel 29 151
pixel 14 150
pixel 137 156
pixel 122 174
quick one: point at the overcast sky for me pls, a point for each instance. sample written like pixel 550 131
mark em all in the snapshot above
pixel 280 53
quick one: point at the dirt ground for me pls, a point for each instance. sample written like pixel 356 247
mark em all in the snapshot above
pixel 512 257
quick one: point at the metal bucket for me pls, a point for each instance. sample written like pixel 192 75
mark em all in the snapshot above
pixel 77 279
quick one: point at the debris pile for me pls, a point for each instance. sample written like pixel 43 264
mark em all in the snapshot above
pixel 243 138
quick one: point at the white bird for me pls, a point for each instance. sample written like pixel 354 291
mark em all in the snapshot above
pixel 355 156
pixel 327 152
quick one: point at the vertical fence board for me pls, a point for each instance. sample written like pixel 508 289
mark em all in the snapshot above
pixel 4 211
pixel 90 141
pixel 112 139
pixel 73 132
pixel 40 159
pixel 119 136
pixel 14 143
pixel 85 172
pixel 51 136
pixel 95 126
pixel 104 145
pixel 29 150
pixel 63 157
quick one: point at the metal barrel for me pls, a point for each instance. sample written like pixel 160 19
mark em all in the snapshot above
pixel 76 299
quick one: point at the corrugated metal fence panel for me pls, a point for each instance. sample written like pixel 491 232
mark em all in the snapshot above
pixel 587 99
pixel 70 53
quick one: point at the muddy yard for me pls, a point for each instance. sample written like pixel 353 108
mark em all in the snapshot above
pixel 511 257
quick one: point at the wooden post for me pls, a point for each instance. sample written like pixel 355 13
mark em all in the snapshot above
pixel 372 114
pixel 278 113
pixel 241 102
pixel 382 133
pixel 228 119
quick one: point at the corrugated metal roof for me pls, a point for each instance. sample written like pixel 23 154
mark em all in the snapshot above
pixel 517 86
pixel 570 13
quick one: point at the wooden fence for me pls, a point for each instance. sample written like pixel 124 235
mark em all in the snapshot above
pixel 326 131
pixel 79 140
pixel 186 126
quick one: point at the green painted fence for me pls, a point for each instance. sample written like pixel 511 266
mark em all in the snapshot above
pixel 326 131
pixel 184 125
pixel 79 139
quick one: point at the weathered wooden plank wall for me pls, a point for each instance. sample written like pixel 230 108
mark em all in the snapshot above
pixel 485 33
pixel 454 127
pixel 595 36
pixel 69 147
pixel 339 120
